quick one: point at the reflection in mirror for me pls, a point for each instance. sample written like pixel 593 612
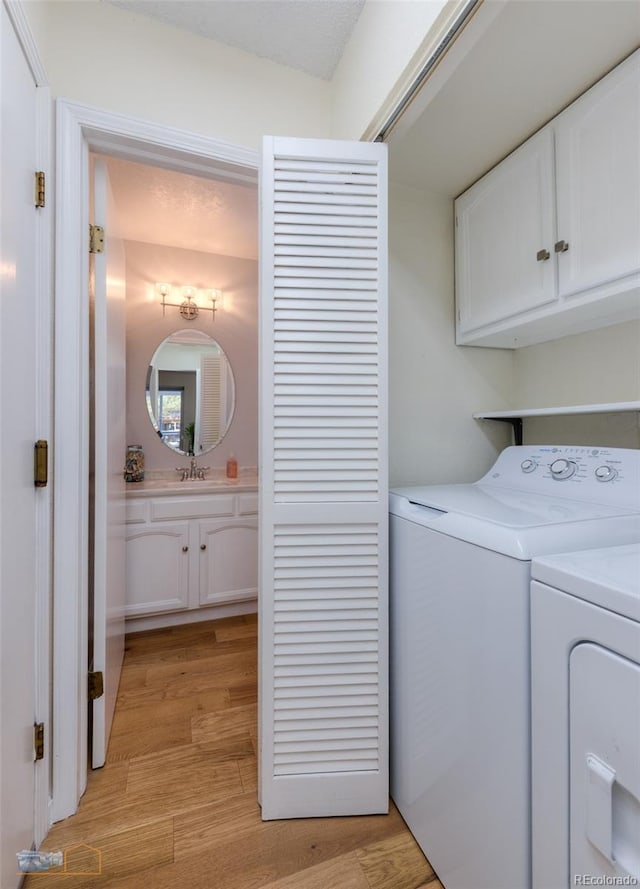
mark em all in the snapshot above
pixel 190 392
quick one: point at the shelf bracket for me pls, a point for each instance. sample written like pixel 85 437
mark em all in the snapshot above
pixel 516 424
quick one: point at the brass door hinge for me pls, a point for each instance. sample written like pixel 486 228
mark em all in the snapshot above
pixel 41 463
pixel 96 239
pixel 38 740
pixel 96 685
pixel 40 195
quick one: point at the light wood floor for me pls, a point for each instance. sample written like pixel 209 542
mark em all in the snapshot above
pixel 175 806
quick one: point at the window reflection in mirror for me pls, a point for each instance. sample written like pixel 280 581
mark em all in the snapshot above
pixel 190 392
pixel 169 413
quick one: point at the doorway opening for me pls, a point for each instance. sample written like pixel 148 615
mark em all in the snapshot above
pixel 190 388
pixel 162 151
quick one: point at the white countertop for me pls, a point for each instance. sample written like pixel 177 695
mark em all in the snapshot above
pixel 157 487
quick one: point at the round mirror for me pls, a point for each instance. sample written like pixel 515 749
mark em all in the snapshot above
pixel 190 392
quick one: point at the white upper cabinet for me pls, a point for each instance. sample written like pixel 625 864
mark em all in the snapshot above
pixel 548 242
pixel 505 238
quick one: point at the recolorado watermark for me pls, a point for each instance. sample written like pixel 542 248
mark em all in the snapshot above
pixel 590 880
pixel 78 860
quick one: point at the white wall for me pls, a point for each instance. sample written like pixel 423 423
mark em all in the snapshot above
pixel 235 329
pixel 435 386
pixel 380 51
pixel 100 55
pixel 597 367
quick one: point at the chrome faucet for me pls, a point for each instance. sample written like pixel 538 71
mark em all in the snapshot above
pixel 193 472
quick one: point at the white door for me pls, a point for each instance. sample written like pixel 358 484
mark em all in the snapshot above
pixel 108 493
pixel 323 479
pixel 18 413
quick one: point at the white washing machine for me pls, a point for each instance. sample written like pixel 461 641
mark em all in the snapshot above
pixel 585 648
pixel 460 644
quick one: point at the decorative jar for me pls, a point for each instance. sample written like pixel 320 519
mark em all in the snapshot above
pixel 134 464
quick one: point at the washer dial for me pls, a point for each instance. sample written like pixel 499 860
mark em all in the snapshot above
pixel 562 468
pixel 528 465
pixel 606 473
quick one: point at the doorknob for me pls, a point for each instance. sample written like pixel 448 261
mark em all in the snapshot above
pixel 561 246
pixel 185 549
pixel 203 546
pixel 541 255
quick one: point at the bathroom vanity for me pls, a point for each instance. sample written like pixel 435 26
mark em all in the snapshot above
pixel 191 550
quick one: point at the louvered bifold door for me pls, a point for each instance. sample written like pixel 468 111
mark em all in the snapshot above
pixel 323 482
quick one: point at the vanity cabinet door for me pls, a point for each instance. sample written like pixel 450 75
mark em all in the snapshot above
pixel 158 556
pixel 504 239
pixel 598 183
pixel 228 561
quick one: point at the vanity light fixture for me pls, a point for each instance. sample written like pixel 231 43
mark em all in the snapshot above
pixel 189 308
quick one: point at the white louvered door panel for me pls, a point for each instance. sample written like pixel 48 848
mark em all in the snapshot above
pixel 323 479
pixel 211 401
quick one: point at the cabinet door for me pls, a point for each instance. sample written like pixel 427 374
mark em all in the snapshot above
pixel 503 222
pixel 598 182
pixel 157 568
pixel 228 562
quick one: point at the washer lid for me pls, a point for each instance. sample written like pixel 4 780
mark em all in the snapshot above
pixel 608 577
pixel 508 507
pixel 528 527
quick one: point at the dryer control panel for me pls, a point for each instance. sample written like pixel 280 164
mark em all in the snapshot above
pixel 598 475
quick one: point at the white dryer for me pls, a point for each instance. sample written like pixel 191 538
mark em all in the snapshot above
pixel 585 646
pixel 460 644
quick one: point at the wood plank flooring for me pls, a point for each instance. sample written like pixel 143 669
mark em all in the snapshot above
pixel 175 805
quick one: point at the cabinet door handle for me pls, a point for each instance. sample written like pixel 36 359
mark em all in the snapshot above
pixel 561 246
pixel 203 546
pixel 541 255
pixel 185 549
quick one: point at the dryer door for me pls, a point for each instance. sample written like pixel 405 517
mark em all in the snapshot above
pixel 605 765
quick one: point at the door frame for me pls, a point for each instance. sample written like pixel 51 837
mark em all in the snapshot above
pixel 43 407
pixel 80 130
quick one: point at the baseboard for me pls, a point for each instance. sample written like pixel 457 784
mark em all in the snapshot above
pixel 213 612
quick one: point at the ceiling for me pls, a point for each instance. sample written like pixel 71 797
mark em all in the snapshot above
pixel 532 59
pixel 309 35
pixel 158 206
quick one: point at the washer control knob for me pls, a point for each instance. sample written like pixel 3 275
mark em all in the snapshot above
pixel 606 473
pixel 528 465
pixel 561 469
